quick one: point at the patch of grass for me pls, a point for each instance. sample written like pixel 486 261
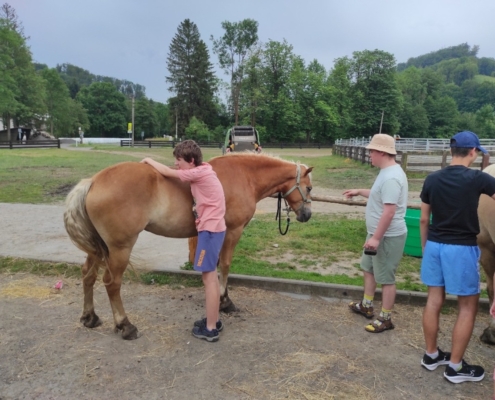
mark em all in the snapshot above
pixel 172 280
pixel 35 267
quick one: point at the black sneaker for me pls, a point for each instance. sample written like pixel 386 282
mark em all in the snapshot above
pixel 433 363
pixel 202 322
pixel 202 333
pixel 472 373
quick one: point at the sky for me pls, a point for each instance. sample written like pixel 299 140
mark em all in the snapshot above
pixel 130 39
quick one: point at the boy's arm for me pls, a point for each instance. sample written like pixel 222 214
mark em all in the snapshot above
pixel 162 169
pixel 424 223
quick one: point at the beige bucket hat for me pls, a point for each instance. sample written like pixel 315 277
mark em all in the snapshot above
pixel 382 142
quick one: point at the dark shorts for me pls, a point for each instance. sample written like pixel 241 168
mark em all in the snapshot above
pixel 208 250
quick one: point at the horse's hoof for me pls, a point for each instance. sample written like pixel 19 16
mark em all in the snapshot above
pixel 228 306
pixel 90 320
pixel 129 331
pixel 488 336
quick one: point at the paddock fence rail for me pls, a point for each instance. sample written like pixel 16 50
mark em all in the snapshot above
pixel 419 155
pixel 30 144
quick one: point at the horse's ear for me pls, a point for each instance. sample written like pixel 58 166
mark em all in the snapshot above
pixel 308 171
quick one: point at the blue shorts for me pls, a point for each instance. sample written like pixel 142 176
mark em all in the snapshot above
pixel 452 266
pixel 208 250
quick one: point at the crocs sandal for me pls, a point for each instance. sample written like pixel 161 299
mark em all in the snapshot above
pixel 358 308
pixel 379 325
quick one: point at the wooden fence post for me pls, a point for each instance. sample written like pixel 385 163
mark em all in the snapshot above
pixel 403 162
pixel 485 161
pixel 444 159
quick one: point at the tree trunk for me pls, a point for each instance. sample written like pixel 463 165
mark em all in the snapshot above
pixel 7 120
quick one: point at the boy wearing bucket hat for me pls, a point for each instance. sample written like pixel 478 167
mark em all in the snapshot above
pixel 387 231
pixel 450 253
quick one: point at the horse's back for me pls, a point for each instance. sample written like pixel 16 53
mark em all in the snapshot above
pixel 128 198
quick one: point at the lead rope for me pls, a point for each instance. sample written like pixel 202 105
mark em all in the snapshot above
pixel 279 214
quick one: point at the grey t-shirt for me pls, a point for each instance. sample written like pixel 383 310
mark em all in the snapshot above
pixel 390 187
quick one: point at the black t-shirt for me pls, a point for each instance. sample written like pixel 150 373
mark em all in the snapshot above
pixel 453 195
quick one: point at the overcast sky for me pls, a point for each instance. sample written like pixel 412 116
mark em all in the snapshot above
pixel 129 39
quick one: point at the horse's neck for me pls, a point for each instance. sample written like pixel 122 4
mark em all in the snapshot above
pixel 271 179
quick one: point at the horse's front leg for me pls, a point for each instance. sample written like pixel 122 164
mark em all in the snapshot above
pixel 231 239
pixel 89 275
pixel 117 263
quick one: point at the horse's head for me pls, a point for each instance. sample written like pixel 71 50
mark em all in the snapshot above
pixel 298 194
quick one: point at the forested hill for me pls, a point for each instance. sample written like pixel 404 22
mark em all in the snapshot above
pixel 76 78
pixel 463 54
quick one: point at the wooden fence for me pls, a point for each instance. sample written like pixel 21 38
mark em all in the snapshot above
pixel 219 145
pixel 424 161
pixel 30 144
pixel 163 143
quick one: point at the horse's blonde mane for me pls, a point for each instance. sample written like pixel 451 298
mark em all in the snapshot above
pixel 248 153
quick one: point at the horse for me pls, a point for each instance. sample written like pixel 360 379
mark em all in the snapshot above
pixel 486 243
pixel 105 214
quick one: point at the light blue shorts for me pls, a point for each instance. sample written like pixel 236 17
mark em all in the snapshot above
pixel 452 266
pixel 208 250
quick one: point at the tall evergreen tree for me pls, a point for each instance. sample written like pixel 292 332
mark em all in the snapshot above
pixel 190 77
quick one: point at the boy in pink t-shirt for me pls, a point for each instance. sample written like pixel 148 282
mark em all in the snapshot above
pixel 209 210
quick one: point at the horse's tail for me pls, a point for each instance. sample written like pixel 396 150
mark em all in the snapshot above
pixel 78 224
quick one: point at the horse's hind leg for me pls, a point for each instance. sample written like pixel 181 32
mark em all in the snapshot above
pixel 89 274
pixel 117 263
pixel 231 239
pixel 487 260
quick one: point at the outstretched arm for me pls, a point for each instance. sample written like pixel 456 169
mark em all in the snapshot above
pixel 357 192
pixel 162 169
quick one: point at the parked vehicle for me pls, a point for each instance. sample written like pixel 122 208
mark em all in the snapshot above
pixel 240 138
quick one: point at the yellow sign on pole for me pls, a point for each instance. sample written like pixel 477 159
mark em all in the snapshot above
pixel 129 127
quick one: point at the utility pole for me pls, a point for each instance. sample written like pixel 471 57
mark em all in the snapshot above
pixel 381 122
pixel 132 118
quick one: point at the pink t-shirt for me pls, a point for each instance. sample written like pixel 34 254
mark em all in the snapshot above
pixel 210 199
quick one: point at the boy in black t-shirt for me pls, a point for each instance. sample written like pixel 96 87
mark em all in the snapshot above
pixel 450 253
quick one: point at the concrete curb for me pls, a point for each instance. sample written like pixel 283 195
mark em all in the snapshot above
pixel 342 292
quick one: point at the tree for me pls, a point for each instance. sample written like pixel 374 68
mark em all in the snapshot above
pixel 145 118
pixel 442 115
pixel 21 89
pixel 190 77
pixel 339 80
pixel 106 109
pixel 197 130
pixel 485 121
pixel 57 97
pixel 232 49
pixel 374 91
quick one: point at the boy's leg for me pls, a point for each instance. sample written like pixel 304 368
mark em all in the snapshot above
pixel 463 328
pixel 388 296
pixel 431 317
pixel 212 294
pixel 369 284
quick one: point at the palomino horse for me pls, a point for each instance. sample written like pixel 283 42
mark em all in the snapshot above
pixel 105 214
pixel 486 243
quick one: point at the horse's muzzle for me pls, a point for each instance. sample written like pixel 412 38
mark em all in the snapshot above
pixel 304 214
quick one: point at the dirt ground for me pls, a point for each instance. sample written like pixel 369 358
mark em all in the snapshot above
pixel 276 347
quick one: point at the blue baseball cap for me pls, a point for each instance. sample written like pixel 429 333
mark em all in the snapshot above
pixel 467 139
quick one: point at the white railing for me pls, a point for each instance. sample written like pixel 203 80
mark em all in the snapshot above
pixel 414 144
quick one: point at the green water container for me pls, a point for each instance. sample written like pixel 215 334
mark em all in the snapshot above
pixel 413 241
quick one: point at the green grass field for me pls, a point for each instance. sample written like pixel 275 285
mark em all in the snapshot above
pixel 308 252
